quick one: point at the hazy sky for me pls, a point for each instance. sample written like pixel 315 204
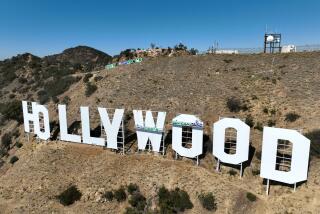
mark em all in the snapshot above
pixel 44 27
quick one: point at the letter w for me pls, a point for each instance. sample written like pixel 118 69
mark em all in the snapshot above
pixel 145 127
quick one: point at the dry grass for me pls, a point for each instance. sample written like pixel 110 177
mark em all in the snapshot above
pixel 188 84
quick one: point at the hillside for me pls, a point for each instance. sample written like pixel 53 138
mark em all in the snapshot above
pixel 30 77
pixel 81 55
pixel 267 87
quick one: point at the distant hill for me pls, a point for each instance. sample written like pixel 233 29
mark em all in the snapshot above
pixel 25 74
pixel 81 55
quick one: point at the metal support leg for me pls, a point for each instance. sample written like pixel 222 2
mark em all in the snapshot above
pixel 294 187
pixel 268 186
pixel 241 168
pixel 163 144
pixel 218 166
pixel 123 140
pixel 197 160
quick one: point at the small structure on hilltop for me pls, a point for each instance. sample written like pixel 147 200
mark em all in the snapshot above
pixel 288 49
pixel 223 51
pixel 226 52
pixel 272 43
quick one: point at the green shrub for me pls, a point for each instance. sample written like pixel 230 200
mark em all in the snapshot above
pixel 208 201
pixel 173 201
pixel 251 197
pixel 69 196
pixel 271 123
pixel 9 77
pixel 138 201
pixel 12 110
pixel 265 110
pixel 244 107
pixel 227 60
pixel 87 77
pixel 55 99
pixel 254 97
pixel 291 117
pixel 256 172
pixel 258 155
pixel 128 54
pixel 22 80
pixel 13 159
pixel 109 195
pixel 15 133
pixel 180 46
pixel 132 188
pixel 132 210
pixel 66 100
pixel 43 98
pixel 2 120
pixel 232 172
pixel 90 89
pixel 77 66
pixel 249 120
pixel 259 126
pixel 19 145
pixel 234 104
pixel 6 140
pixel 120 194
pixel 314 137
pixel 59 85
pixel 193 51
pixel 97 78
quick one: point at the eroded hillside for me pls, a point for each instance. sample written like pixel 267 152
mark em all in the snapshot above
pixel 265 89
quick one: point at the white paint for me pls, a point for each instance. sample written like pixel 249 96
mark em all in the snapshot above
pixel 46 122
pixel 299 160
pixel 34 116
pixel 288 49
pixel 64 127
pixel 144 136
pixel 197 137
pixel 111 128
pixel 242 146
pixel 270 38
pixel 85 124
pixel 27 117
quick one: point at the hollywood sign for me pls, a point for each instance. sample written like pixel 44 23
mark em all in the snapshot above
pixel 150 129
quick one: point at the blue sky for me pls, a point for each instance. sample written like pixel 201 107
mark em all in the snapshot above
pixel 44 27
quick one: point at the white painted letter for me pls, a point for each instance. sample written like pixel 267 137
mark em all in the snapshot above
pixel 85 124
pixel 197 135
pixel 299 159
pixel 34 116
pixel 148 130
pixel 45 134
pixel 64 126
pixel 111 128
pixel 27 117
pixel 242 145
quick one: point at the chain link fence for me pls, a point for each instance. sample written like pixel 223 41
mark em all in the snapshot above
pixel 299 48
